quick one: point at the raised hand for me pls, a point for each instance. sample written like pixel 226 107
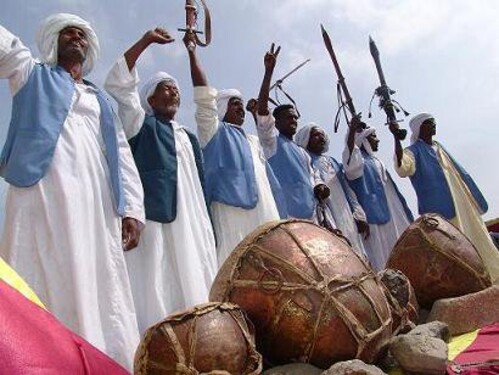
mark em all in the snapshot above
pixel 159 36
pixel 270 58
pixel 190 41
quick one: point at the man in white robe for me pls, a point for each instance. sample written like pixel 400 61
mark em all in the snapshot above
pixel 386 210
pixel 345 211
pixel 76 204
pixel 239 192
pixel 175 263
pixel 444 187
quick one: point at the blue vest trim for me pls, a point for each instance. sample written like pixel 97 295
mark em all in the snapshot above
pixel 33 134
pixel 229 171
pixel 294 177
pixel 431 186
pixel 155 155
pixel 371 194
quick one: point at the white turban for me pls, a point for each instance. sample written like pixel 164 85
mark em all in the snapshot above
pixel 48 36
pixel 149 87
pixel 223 98
pixel 415 124
pixel 361 139
pixel 303 135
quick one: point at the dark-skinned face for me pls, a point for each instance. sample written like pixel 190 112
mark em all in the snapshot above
pixel 165 100
pixel 287 122
pixel 72 45
pixel 235 111
pixel 317 141
pixel 428 129
pixel 373 141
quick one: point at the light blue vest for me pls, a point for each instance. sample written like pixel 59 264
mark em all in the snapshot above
pixel 340 173
pixel 431 187
pixel 229 172
pixel 371 194
pixel 294 177
pixel 39 111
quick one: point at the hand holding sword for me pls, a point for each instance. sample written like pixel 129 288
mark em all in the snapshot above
pixel 191 15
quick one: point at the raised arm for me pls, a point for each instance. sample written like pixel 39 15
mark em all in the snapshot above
pixel 16 61
pixel 198 75
pixel 269 62
pixel 122 81
pixel 394 128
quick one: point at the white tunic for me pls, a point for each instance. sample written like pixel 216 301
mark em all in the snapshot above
pixel 382 237
pixel 232 224
pixel 175 263
pixel 63 234
pixel 467 217
pixel 338 205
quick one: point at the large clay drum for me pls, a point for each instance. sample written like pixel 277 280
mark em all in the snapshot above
pixel 214 338
pixel 439 260
pixel 311 298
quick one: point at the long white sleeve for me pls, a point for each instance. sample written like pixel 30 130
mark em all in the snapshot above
pixel 267 134
pixel 407 164
pixel 206 113
pixel 121 84
pixel 353 164
pixel 16 61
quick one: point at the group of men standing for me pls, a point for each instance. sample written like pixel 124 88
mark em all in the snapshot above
pixel 86 184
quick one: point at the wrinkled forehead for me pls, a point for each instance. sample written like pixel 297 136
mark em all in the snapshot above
pixel 315 130
pixel 70 28
pixel 235 100
pixel 168 83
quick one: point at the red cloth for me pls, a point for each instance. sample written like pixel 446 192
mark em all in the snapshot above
pixel 34 342
pixel 484 350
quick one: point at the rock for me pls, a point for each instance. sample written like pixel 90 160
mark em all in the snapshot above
pixel 353 367
pixel 420 354
pixel 294 369
pixel 437 329
pixel 469 312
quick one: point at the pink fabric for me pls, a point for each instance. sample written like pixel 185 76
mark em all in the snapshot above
pixel 484 351
pixel 34 342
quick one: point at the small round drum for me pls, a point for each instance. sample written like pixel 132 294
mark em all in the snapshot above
pixel 213 338
pixel 439 260
pixel 311 297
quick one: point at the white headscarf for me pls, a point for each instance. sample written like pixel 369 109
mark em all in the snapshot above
pixel 48 36
pixel 361 139
pixel 223 98
pixel 303 135
pixel 149 87
pixel 415 124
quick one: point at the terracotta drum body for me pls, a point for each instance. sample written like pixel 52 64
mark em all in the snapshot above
pixel 213 338
pixel 311 297
pixel 439 260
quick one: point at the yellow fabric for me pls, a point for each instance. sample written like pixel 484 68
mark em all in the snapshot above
pixel 460 343
pixel 10 276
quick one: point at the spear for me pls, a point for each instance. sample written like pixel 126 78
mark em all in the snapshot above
pixel 384 93
pixel 348 101
pixel 281 80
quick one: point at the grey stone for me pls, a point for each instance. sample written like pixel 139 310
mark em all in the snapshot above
pixel 294 369
pixel 437 329
pixel 353 367
pixel 420 354
pixel 469 312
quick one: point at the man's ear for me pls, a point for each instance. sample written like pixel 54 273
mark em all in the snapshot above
pixel 151 101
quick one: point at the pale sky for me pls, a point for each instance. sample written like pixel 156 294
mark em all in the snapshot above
pixel 441 56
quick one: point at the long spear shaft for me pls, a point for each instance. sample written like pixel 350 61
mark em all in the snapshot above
pixel 384 92
pixel 341 79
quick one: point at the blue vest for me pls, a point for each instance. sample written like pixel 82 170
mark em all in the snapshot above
pixel 431 187
pixel 340 173
pixel 155 155
pixel 229 172
pixel 294 177
pixel 39 111
pixel 371 194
